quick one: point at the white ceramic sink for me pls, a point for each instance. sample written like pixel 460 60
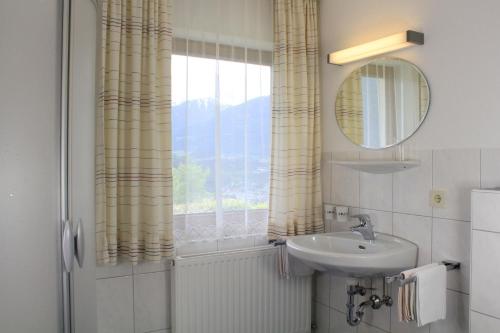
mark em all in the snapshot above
pixel 348 254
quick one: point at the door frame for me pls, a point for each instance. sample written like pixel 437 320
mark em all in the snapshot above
pixel 78 296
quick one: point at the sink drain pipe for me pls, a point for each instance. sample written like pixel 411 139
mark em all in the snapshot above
pixel 354 318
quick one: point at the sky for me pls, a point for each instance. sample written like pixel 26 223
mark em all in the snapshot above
pixel 196 78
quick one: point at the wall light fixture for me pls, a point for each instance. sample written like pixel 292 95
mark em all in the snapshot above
pixel 383 45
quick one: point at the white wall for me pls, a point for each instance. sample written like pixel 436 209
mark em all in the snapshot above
pixel 459 58
pixel 29 168
pixel 457 144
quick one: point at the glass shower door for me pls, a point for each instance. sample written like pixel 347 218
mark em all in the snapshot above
pixel 81 157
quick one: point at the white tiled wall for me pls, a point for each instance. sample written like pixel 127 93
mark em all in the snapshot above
pixel 133 299
pixel 136 299
pixel 485 308
pixel 399 204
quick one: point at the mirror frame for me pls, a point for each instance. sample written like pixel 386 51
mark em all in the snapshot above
pixel 416 128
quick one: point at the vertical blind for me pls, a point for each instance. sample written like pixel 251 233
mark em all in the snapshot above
pixel 221 85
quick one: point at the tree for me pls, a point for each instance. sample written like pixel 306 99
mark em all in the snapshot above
pixel 189 182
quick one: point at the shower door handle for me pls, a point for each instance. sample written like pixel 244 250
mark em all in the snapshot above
pixel 68 246
pixel 79 242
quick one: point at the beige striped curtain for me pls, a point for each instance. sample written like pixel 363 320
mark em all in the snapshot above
pixel 349 108
pixel 133 152
pixel 295 193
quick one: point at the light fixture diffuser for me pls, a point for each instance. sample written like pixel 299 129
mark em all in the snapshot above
pixel 380 46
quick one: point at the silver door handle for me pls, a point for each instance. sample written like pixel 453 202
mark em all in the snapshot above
pixel 79 243
pixel 68 246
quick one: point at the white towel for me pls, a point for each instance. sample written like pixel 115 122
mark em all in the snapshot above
pixel 289 266
pixel 407 296
pixel 283 266
pixel 431 294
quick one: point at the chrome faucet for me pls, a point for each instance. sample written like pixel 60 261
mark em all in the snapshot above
pixel 365 228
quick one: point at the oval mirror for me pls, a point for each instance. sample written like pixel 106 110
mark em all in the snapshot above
pixel 382 103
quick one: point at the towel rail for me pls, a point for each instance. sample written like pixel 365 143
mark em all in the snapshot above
pixel 450 266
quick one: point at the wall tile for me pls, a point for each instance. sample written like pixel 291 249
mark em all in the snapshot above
pixel 382 155
pixel 405 196
pixel 417 229
pixel 322 288
pixel 457 172
pixel 411 187
pixel 490 164
pixel 457 315
pixel 322 318
pixel 480 323
pixel 486 210
pixel 363 328
pixel 398 327
pixel 338 323
pixel 375 191
pixel 381 220
pixel 328 225
pixel 122 268
pixel 152 301
pixel 338 293
pixel 151 267
pixel 380 318
pixel 115 312
pixel 485 272
pixel 326 176
pixel 345 181
pixel 451 241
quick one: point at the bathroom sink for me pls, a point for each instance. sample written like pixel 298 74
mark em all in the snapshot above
pixel 348 254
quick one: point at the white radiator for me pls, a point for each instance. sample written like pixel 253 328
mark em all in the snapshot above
pixel 238 292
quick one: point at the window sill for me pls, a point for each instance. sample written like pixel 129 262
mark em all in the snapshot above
pixel 222 245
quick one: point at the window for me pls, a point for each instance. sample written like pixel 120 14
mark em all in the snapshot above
pixel 221 140
pixel 394 101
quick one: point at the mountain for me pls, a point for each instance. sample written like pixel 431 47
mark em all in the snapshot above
pixel 194 123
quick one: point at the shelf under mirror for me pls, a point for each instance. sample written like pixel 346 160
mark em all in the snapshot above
pixel 378 166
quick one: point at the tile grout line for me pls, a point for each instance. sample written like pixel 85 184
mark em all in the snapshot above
pixel 113 277
pixel 486 231
pixel 359 181
pixel 485 314
pixel 480 169
pixel 432 178
pixel 330 185
pixel 392 205
pixel 432 220
pixel 133 302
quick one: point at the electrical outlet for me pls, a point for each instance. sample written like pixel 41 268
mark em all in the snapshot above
pixel 342 213
pixel 438 198
pixel 328 211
